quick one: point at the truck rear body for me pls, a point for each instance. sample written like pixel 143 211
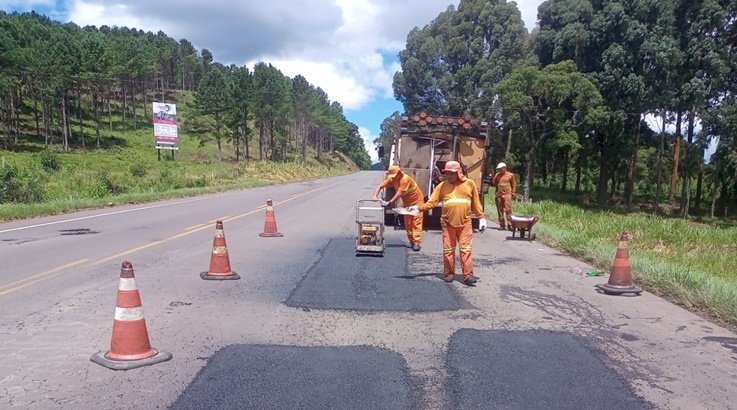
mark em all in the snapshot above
pixel 425 143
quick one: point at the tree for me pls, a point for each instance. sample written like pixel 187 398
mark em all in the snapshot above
pixel 452 65
pixel 703 73
pixel 190 69
pixel 389 129
pixel 554 102
pixel 96 63
pixel 213 98
pixel 242 105
pixel 604 39
pixel 721 121
pixel 303 106
pixel 10 57
pixel 270 100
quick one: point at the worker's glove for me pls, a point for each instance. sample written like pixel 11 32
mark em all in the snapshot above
pixel 414 209
pixel 384 203
pixel 482 224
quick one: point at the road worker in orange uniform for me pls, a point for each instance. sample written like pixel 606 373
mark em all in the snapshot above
pixel 405 187
pixel 506 188
pixel 460 197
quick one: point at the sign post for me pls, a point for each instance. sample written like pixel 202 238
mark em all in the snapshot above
pixel 165 128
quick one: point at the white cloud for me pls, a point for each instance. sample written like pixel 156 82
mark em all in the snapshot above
pixel 528 9
pixel 368 142
pixel 91 13
pixel 338 45
pixel 339 84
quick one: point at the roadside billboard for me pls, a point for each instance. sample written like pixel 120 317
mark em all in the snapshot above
pixel 165 125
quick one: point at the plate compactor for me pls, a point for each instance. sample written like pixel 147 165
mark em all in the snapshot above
pixel 370 221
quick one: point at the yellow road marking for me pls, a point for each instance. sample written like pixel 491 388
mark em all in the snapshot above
pixel 259 209
pixel 128 252
pixel 193 227
pixel 188 231
pixel 38 278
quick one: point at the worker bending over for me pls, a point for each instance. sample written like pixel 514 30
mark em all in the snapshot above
pixel 405 187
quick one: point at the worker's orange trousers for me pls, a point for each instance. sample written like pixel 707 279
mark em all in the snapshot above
pixel 462 236
pixel 504 208
pixel 413 226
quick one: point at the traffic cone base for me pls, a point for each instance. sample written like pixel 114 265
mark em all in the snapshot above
pixel 270 235
pixel 219 276
pixel 103 360
pixel 620 277
pixel 130 346
pixel 219 261
pixel 618 290
pixel 270 230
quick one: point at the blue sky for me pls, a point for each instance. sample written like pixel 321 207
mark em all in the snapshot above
pixel 347 47
pixel 52 8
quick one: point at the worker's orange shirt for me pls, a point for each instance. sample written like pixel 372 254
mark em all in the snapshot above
pixel 407 188
pixel 458 201
pixel 505 184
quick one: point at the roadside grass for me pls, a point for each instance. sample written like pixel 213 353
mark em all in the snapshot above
pixel 690 263
pixel 90 184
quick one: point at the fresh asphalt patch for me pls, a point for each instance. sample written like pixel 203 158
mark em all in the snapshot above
pixel 341 280
pixel 289 377
pixel 532 370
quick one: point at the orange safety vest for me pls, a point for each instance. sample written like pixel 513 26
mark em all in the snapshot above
pixel 407 187
pixel 458 202
pixel 505 184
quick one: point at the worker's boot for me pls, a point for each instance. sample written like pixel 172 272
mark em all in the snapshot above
pixel 448 278
pixel 416 247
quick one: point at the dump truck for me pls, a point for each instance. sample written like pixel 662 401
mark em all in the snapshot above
pixel 422 146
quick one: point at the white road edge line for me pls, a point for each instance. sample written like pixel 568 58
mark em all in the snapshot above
pixel 143 208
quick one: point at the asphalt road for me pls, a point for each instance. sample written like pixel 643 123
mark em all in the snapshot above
pixel 311 325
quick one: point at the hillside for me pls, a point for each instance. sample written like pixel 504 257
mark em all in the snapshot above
pixel 36 179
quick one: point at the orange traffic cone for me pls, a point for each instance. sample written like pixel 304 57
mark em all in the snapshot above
pixel 130 347
pixel 219 261
pixel 620 277
pixel 270 224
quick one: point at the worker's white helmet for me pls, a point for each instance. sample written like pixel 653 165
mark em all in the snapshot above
pixel 501 165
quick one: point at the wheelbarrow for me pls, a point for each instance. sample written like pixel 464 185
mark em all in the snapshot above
pixel 523 224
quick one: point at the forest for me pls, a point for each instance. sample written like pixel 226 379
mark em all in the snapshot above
pixel 631 103
pixel 63 86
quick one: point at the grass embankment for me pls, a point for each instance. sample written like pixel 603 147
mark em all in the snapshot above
pixel 46 182
pixel 692 264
